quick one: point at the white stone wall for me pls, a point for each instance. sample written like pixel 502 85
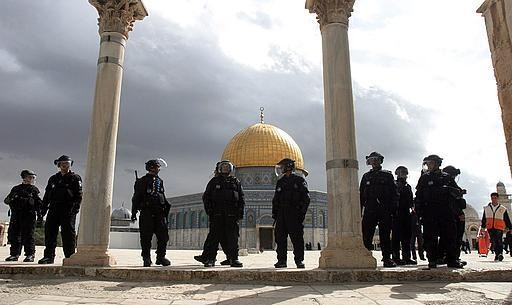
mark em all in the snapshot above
pixel 124 240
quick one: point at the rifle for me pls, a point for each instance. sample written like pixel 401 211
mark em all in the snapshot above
pixel 134 206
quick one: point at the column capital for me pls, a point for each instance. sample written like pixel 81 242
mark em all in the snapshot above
pixel 331 11
pixel 485 6
pixel 118 15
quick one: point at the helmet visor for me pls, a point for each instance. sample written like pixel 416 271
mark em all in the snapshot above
pixel 161 162
pixel 373 160
pixel 226 168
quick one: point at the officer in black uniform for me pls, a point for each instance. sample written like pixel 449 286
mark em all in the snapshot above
pixel 62 199
pixel 25 205
pixel 210 240
pixel 149 198
pixel 433 205
pixel 289 207
pixel 224 204
pixel 401 231
pixel 379 202
pixel 457 204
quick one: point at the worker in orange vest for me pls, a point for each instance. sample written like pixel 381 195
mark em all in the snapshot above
pixel 496 220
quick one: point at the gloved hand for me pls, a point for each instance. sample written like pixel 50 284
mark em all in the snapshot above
pixel 134 217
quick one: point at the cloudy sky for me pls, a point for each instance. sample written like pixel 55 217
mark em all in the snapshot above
pixel 197 71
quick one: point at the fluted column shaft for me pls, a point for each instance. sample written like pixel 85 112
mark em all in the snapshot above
pixel 116 19
pixel 498 21
pixel 344 246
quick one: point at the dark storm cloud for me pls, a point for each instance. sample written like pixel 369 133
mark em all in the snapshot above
pixel 182 100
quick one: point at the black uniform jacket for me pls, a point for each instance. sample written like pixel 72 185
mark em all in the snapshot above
pixel 378 190
pixel 149 194
pixel 224 194
pixel 63 192
pixel 436 189
pixel 24 197
pixel 291 191
pixel 406 201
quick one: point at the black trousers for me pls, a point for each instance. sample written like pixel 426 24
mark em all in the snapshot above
pixel 211 245
pixel 496 240
pixel 65 219
pixel 439 224
pixel 416 236
pixel 153 222
pixel 371 219
pixel 289 222
pixel 224 229
pixel 401 235
pixel 21 232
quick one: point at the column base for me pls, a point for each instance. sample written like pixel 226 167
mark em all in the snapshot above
pixel 90 256
pixel 346 253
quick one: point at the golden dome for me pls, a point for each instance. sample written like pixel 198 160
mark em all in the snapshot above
pixel 262 145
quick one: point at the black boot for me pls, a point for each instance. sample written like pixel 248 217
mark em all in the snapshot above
pixel 162 261
pixel 200 259
pixel 12 258
pixel 235 263
pixel 29 259
pixel 146 262
pixel 209 263
pixel 409 261
pixel 300 265
pixel 388 263
pixel 225 262
pixel 280 264
pixel 46 260
pixel 455 264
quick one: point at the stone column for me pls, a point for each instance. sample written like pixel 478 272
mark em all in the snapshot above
pixel 116 18
pixel 498 20
pixel 344 245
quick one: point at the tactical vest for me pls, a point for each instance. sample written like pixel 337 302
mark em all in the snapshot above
pixel 225 193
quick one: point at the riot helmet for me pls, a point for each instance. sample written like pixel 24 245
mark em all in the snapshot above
pixel 285 165
pixel 432 162
pixel 374 156
pixel 63 158
pixel 452 171
pixel 155 163
pixel 26 172
pixel 401 172
pixel 225 168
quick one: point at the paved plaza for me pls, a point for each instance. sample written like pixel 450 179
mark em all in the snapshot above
pixel 33 288
pixel 88 291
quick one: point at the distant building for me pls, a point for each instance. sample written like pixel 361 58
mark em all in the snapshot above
pixel 254 151
pixel 124 234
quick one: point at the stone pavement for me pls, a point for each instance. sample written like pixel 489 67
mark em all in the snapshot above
pixel 127 283
pixel 80 291
pixel 258 268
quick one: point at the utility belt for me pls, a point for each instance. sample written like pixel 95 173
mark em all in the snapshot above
pixel 153 201
pixel 22 203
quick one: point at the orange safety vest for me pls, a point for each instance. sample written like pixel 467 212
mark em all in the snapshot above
pixel 494 217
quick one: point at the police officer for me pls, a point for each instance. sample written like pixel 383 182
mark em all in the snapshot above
pixel 210 239
pixel 457 204
pixel 289 207
pixel 401 231
pixel 25 205
pixel 62 199
pixel 379 202
pixel 224 204
pixel 434 208
pixel 149 198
